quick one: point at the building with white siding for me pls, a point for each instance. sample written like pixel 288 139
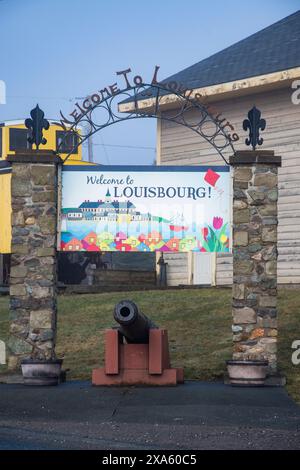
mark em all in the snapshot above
pixel 260 70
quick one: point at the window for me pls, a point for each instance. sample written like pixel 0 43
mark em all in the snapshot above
pixel 18 139
pixel 66 142
pixel 0 142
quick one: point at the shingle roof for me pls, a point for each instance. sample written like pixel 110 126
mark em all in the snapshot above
pixel 272 49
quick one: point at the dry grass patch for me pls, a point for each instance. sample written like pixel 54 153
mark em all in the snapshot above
pixel 198 322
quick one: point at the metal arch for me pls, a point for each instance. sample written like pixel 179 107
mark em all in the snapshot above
pixel 136 93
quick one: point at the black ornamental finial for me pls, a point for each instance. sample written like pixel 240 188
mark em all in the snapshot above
pixel 36 124
pixel 254 123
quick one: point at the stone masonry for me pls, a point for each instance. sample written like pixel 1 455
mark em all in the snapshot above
pixel 255 256
pixel 33 260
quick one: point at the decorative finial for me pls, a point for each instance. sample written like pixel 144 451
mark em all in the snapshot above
pixel 36 125
pixel 254 123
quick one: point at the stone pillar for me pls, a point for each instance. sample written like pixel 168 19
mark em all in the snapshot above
pixel 33 261
pixel 254 303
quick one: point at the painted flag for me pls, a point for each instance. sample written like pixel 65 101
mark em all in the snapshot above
pixel 211 177
pixel 160 219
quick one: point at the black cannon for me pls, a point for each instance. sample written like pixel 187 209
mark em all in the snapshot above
pixel 136 352
pixel 134 325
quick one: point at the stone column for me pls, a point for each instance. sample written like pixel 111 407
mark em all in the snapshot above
pixel 33 261
pixel 254 303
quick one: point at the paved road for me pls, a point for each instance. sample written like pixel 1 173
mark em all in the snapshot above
pixel 196 415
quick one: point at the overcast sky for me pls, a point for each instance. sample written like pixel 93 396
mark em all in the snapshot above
pixel 55 50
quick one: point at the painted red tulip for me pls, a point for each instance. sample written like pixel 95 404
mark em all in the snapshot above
pixel 217 223
pixel 205 233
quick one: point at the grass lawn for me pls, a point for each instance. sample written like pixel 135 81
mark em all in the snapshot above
pixel 198 322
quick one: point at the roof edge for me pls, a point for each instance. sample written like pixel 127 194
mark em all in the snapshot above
pixel 220 91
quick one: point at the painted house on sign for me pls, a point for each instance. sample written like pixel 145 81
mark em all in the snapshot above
pixel 73 245
pixel 257 70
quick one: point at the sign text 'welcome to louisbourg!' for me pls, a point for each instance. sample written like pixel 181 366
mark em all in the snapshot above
pixel 145 208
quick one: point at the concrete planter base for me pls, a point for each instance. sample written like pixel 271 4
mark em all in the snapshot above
pixel 247 373
pixel 37 372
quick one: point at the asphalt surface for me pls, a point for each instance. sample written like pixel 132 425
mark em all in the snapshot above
pixel 196 415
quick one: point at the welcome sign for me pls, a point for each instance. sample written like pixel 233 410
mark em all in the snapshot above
pixel 145 208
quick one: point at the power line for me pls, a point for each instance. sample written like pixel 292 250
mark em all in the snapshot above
pixel 104 148
pixel 41 97
pixel 127 146
pixel 98 144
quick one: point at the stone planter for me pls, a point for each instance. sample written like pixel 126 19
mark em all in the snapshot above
pixel 247 373
pixel 38 372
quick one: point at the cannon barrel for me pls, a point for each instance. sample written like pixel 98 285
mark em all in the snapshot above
pixel 134 325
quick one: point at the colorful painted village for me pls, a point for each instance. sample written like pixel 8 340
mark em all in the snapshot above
pixel 107 225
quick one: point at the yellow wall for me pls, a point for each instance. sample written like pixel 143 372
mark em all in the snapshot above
pixel 50 136
pixel 5 213
pixel 5 179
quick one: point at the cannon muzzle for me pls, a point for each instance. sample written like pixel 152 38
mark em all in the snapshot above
pixel 134 325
